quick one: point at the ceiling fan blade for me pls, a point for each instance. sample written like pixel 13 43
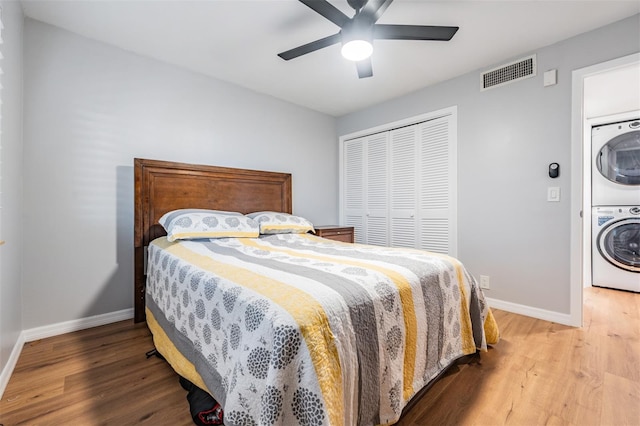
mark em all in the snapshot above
pixel 373 10
pixel 310 47
pixel 328 10
pixel 365 69
pixel 413 32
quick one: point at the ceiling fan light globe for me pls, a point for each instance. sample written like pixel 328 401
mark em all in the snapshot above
pixel 357 50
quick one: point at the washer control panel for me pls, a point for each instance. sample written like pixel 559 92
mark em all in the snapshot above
pixel 604 219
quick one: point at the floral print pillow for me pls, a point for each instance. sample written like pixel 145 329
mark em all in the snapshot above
pixel 281 223
pixel 189 224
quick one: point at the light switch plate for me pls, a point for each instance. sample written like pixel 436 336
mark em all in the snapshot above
pixel 550 78
pixel 553 193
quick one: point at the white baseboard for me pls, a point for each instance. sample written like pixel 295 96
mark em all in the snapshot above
pixel 75 325
pixel 6 372
pixel 529 311
pixel 80 324
pixel 54 330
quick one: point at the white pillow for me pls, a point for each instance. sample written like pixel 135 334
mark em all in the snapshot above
pixel 189 224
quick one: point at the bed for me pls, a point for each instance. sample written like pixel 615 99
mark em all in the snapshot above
pixel 286 327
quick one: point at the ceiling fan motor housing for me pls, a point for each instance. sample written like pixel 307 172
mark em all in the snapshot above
pixel 357 4
pixel 357 30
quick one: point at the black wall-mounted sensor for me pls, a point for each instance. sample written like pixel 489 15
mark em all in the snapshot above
pixel 554 170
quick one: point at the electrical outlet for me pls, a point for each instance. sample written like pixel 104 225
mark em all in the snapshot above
pixel 484 282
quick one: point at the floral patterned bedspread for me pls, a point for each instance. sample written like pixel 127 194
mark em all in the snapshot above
pixel 296 329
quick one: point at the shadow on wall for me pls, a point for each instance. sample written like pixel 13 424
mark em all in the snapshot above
pixel 115 356
pixel 100 375
pixel 118 288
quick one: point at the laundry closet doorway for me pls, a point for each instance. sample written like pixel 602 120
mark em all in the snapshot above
pixel 398 183
pixel 590 106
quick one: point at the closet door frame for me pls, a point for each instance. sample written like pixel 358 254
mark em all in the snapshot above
pixel 452 113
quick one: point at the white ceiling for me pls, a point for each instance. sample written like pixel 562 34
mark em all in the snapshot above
pixel 238 40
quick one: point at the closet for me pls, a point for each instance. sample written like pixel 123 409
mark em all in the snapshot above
pixel 398 185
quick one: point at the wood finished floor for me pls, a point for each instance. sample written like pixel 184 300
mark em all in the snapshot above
pixel 540 373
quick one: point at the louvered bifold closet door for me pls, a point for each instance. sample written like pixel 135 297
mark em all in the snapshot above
pixel 403 174
pixel 434 179
pixel 398 185
pixel 377 189
pixel 354 195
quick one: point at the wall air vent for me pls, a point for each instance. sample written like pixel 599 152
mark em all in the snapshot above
pixel 508 73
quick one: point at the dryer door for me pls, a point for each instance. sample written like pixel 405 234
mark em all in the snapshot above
pixel 619 243
pixel 619 159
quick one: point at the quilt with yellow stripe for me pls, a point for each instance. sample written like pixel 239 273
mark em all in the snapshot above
pixel 296 329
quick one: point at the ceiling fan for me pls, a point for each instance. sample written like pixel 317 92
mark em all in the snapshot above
pixel 358 32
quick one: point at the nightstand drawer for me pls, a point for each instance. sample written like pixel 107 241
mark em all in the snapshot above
pixel 336 233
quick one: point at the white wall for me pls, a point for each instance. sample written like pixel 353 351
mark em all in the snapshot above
pixel 11 186
pixel 507 137
pixel 624 82
pixel 89 110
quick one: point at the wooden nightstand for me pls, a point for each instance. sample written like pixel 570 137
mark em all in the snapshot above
pixel 335 232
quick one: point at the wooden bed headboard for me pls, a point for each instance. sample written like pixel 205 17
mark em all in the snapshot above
pixel 162 186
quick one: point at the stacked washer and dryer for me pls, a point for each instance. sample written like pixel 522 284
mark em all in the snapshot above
pixel 615 203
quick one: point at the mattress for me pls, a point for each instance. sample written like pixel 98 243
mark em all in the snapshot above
pixel 297 329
